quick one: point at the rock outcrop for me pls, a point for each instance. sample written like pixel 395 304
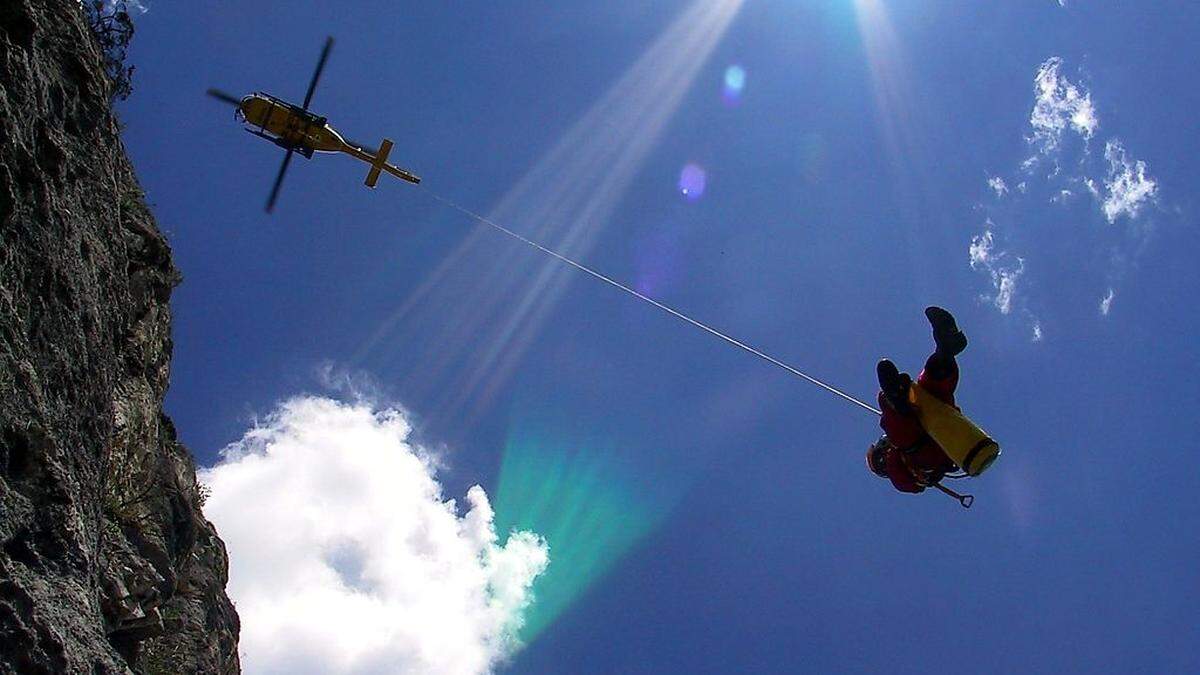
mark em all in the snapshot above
pixel 107 564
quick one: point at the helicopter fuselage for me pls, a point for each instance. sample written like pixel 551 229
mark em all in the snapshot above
pixel 290 126
pixel 298 131
pixel 294 128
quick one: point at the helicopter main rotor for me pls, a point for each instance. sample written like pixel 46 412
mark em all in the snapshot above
pixel 297 130
pixel 225 97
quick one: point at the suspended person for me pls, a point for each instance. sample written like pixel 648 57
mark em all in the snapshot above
pixel 925 435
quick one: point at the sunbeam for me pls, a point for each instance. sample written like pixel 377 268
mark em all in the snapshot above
pixel 905 138
pixel 483 305
pixel 889 75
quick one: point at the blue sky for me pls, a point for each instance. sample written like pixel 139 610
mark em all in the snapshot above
pixel 712 512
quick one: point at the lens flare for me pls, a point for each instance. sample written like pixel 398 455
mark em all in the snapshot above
pixel 656 262
pixel 735 81
pixel 588 503
pixel 692 181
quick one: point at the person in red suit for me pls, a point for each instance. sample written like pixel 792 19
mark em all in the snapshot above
pixel 905 454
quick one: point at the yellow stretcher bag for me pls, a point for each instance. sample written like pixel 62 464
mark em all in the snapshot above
pixel 969 446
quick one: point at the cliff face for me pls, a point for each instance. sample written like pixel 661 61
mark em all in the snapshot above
pixel 106 561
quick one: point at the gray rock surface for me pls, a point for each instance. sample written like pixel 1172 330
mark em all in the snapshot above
pixel 107 564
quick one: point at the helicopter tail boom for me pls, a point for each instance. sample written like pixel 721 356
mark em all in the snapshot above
pixel 379 163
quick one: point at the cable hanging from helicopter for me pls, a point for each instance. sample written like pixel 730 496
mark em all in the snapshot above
pixel 298 130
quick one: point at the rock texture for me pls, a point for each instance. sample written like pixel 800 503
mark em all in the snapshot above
pixel 107 564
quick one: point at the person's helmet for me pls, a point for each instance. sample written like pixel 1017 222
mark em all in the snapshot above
pixel 877 456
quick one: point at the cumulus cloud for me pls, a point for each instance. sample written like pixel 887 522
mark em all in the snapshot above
pixel 345 556
pixel 1059 105
pixel 1106 303
pixel 354 385
pixel 1000 266
pixel 1127 185
pixel 1037 331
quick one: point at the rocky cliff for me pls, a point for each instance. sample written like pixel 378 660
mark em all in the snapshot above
pixel 107 564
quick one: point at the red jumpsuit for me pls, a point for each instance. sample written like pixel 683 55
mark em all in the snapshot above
pixel 915 453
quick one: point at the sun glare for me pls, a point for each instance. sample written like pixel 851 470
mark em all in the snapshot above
pixel 485 323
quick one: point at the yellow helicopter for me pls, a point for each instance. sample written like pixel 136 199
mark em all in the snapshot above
pixel 295 129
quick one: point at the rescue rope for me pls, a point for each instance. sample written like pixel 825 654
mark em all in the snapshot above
pixel 644 298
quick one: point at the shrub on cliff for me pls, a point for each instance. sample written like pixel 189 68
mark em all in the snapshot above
pixel 112 27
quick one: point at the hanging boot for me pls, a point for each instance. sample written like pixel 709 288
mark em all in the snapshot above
pixel 894 385
pixel 949 339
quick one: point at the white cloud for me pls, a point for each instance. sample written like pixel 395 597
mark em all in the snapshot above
pixel 1128 186
pixel 1061 172
pixel 345 557
pixel 1004 274
pixel 981 248
pixel 1106 303
pixel 1037 331
pixel 1005 280
pixel 998 185
pixel 1059 105
pixel 354 385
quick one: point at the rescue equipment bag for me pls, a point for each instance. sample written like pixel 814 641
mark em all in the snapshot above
pixel 964 442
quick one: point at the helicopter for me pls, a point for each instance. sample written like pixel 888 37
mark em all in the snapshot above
pixel 297 130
